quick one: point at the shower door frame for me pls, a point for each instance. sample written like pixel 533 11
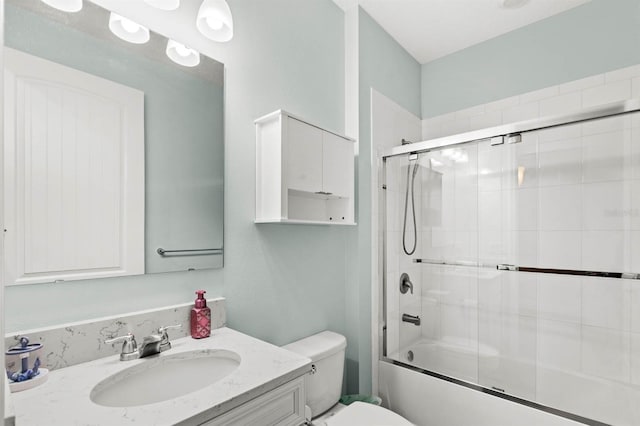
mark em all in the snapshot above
pixel 495 135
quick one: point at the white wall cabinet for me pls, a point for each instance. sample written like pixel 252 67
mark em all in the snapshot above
pixel 304 174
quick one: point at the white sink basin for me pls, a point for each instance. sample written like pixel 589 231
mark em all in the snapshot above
pixel 164 378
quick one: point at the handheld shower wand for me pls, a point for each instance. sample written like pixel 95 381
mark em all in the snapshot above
pixel 410 182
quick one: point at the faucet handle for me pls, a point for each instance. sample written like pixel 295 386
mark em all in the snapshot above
pixel 129 346
pixel 405 283
pixel 162 331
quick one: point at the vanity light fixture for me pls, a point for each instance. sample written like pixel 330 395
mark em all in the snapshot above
pixel 164 4
pixel 128 30
pixel 182 55
pixel 65 5
pixel 214 20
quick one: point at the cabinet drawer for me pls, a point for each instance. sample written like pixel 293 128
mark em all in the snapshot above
pixel 282 406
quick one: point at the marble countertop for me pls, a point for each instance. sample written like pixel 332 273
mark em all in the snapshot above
pixel 64 398
pixel 9 416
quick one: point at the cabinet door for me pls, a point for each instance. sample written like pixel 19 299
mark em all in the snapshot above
pixel 337 161
pixel 283 406
pixel 304 168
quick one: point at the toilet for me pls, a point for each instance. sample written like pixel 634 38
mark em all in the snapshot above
pixel 324 385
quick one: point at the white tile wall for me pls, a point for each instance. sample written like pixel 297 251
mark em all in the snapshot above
pixel 559 346
pixel 622 74
pixel 618 90
pixel 635 251
pixel 557 161
pixel 635 87
pixel 523 247
pixel 634 153
pixel 635 306
pixel 605 251
pixel 559 298
pixel 606 303
pixel 560 249
pixel 605 204
pixel 555 100
pixel 581 84
pixel 520 294
pixel 521 112
pixel 560 208
pixel 521 209
pixel 635 358
pixel 561 104
pixel 538 95
pixel 603 156
pixel 606 353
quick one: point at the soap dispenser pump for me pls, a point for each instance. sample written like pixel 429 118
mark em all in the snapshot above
pixel 200 317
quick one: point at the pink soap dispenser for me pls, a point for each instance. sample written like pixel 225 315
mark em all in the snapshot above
pixel 200 317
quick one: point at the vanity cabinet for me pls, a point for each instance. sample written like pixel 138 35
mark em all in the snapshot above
pixel 304 174
pixel 283 406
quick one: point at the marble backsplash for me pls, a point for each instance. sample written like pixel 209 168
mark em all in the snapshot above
pixel 70 344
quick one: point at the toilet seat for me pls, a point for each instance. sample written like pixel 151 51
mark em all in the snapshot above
pixel 363 414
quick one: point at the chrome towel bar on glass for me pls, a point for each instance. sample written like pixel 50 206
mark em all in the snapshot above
pixel 187 252
pixel 507 267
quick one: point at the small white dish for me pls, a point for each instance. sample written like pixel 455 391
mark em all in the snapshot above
pixel 31 383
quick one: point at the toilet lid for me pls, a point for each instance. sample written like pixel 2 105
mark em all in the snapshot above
pixel 361 413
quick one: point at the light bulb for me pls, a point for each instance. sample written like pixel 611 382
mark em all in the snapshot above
pixel 183 50
pixel 129 26
pixel 181 54
pixel 65 5
pixel 164 4
pixel 215 21
pixel 128 30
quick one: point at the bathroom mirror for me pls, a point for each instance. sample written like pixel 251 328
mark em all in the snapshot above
pixel 62 200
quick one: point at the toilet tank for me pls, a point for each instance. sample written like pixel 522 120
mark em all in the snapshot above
pixel 326 351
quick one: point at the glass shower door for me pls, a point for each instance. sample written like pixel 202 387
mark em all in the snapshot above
pixel 443 268
pixel 526 269
pixel 507 234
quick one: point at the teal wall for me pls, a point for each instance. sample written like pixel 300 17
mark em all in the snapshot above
pixel 386 67
pixel 596 37
pixel 281 282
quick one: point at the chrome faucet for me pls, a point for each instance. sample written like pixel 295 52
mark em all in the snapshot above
pixel 151 345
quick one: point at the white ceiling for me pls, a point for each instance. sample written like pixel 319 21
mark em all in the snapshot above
pixel 430 29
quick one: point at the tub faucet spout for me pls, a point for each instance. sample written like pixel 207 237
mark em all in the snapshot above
pixel 413 319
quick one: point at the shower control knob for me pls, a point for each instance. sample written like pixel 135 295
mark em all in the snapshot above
pixel 405 283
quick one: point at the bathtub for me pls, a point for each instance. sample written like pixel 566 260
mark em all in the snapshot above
pixel 436 383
